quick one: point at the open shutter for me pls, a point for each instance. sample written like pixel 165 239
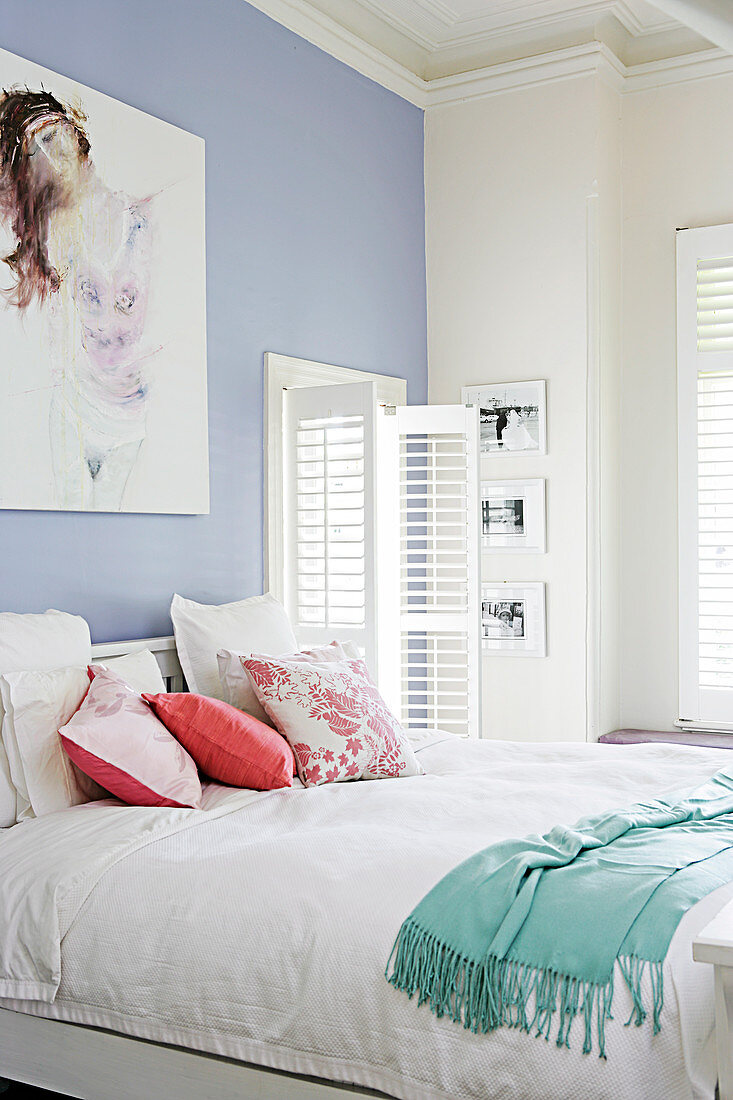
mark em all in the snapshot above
pixel 329 510
pixel 429 601
pixel 382 544
pixel 705 409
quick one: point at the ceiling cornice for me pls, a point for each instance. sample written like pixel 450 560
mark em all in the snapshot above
pixel 575 61
pixel 431 27
pixel 701 65
pixel 628 18
pixel 543 68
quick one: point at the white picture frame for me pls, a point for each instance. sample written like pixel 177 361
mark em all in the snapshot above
pixel 523 407
pixel 513 516
pixel 513 619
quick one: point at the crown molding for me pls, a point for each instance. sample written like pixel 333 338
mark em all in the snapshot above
pixel 629 19
pixel 575 61
pixel 435 26
pixel 592 58
pixel 678 70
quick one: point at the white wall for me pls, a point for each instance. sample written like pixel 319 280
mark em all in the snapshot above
pixel 604 539
pixel 508 184
pixel 551 216
pixel 678 171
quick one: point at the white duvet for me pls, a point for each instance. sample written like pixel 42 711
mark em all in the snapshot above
pixel 259 927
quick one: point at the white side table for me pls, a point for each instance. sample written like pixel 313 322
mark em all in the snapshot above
pixel 715 945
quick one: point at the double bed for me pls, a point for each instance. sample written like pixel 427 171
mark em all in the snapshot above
pixel 240 949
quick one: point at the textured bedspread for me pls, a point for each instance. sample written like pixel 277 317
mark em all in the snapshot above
pixel 259 927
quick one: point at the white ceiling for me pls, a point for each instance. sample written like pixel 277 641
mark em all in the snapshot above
pixel 416 47
pixel 438 23
pixel 436 38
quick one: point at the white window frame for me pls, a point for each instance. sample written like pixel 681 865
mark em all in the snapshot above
pixel 697 709
pixel 284 372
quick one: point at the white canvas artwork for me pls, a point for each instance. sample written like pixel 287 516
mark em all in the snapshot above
pixel 102 302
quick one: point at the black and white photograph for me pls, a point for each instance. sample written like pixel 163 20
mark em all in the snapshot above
pixel 512 416
pixel 513 516
pixel 513 619
pixel 503 517
pixel 503 619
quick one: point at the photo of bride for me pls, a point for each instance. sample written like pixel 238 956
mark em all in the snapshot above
pixel 512 416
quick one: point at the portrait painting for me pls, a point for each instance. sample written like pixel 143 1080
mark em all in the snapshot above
pixel 102 302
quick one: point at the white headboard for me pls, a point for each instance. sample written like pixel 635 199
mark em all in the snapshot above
pixel 163 649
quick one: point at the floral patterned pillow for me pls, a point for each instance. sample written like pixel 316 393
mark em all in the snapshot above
pixel 337 723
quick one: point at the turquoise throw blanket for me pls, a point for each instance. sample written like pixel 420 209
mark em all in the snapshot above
pixel 526 932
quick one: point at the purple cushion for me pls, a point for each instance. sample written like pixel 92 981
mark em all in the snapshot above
pixel 678 737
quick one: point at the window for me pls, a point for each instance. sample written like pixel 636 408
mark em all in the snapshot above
pixel 380 543
pixel 705 419
pixel 283 373
pixel 329 501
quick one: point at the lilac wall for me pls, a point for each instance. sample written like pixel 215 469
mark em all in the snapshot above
pixel 315 248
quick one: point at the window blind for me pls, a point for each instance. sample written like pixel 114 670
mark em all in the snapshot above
pixel 329 514
pixel 436 600
pixel 329 519
pixel 705 469
pixel 715 304
pixel 715 533
pixel 381 523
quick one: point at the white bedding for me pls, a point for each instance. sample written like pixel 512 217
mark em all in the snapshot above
pixel 259 927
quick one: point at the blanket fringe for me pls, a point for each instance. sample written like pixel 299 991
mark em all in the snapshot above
pixel 497 992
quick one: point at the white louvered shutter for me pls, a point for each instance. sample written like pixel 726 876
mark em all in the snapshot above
pixel 382 544
pixel 429 600
pixel 329 507
pixel 705 383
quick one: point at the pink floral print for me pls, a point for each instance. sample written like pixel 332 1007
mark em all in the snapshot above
pixel 337 723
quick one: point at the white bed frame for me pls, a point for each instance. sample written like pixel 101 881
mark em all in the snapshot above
pixel 95 1064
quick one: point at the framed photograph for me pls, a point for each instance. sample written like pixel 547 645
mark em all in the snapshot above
pixel 513 619
pixel 513 416
pixel 513 516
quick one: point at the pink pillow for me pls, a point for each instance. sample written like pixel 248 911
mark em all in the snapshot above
pixel 230 746
pixel 337 723
pixel 115 738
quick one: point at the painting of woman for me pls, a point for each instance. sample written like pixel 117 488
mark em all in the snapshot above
pixel 83 251
pixel 103 402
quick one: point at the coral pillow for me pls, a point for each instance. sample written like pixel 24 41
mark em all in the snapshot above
pixel 230 746
pixel 337 723
pixel 115 738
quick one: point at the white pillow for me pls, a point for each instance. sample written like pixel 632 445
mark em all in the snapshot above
pixel 139 669
pixel 37 704
pixel 52 639
pixel 257 625
pixel 8 797
pixel 236 683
